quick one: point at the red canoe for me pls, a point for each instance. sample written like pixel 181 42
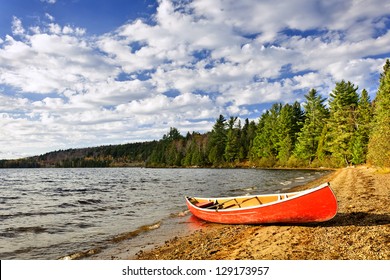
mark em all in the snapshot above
pixel 314 205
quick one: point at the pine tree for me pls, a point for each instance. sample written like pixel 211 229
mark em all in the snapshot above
pixel 197 157
pixel 173 154
pixel 189 151
pixel 363 127
pixel 342 122
pixel 232 147
pixel 248 133
pixel 264 143
pixel 173 134
pixel 284 133
pixel 194 154
pixel 358 150
pixel 298 119
pixel 379 142
pixel 315 117
pixel 322 153
pixel 285 147
pixel 286 130
pixel 217 142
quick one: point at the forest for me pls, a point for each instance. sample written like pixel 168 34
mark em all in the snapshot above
pixel 345 129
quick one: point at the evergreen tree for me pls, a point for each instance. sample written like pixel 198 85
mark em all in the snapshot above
pixel 173 134
pixel 315 116
pixel 174 155
pixel 197 157
pixel 342 122
pixel 157 157
pixel 298 119
pixel 190 149
pixel 232 147
pixel 379 142
pixel 284 133
pixel 322 153
pixel 285 147
pixel 365 114
pixel 248 133
pixel 193 150
pixel 358 150
pixel 217 142
pixel 287 126
pixel 362 132
pixel 264 143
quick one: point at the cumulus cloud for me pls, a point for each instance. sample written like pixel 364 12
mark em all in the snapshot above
pixel 190 62
pixel 51 62
pixel 17 27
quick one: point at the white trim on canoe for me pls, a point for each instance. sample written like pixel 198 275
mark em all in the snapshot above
pixel 293 195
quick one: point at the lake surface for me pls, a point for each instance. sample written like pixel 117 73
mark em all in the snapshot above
pixel 52 213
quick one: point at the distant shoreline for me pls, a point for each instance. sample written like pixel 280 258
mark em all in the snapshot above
pixel 243 165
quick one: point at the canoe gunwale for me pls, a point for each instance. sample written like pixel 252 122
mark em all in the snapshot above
pixel 293 196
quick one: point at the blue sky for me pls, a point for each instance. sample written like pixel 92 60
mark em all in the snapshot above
pixel 79 73
pixel 95 16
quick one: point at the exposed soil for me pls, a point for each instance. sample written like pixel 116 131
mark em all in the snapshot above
pixel 359 231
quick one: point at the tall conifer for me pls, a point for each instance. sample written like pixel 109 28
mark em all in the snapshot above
pixel 232 147
pixel 342 121
pixel 285 133
pixel 314 119
pixel 217 141
pixel 379 143
pixel 361 137
pixel 264 143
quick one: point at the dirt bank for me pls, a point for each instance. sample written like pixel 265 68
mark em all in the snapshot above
pixel 360 230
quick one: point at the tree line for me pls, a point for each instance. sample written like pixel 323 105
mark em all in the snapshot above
pixel 345 129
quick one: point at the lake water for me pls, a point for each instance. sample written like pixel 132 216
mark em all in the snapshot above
pixel 52 213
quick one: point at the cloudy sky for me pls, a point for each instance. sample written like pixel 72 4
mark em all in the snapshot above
pixel 79 73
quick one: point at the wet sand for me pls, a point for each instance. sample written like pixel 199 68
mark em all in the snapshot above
pixel 359 231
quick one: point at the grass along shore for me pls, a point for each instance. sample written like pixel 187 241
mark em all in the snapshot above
pixel 359 231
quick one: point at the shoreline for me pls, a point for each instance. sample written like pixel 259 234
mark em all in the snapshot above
pixel 177 225
pixel 359 231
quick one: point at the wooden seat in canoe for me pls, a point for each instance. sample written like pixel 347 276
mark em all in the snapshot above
pixel 205 204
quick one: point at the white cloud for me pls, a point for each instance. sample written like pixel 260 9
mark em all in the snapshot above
pixel 17 27
pixel 191 62
pixel 46 63
pixel 49 17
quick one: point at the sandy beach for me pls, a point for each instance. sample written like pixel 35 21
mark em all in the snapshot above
pixel 359 231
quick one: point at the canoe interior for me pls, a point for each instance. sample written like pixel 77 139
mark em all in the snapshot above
pixel 238 202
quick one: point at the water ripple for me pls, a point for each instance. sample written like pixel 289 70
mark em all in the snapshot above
pixel 48 213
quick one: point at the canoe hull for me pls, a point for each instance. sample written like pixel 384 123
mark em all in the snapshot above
pixel 316 205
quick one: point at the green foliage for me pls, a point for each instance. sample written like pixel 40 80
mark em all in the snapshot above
pixel 217 142
pixel 288 126
pixel 322 154
pixel 248 133
pixel 277 133
pixel 232 147
pixel 342 121
pixel 172 135
pixel 358 150
pixel 195 150
pixel 379 142
pixel 315 117
pixel 264 143
pixel 363 128
pixel 284 142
